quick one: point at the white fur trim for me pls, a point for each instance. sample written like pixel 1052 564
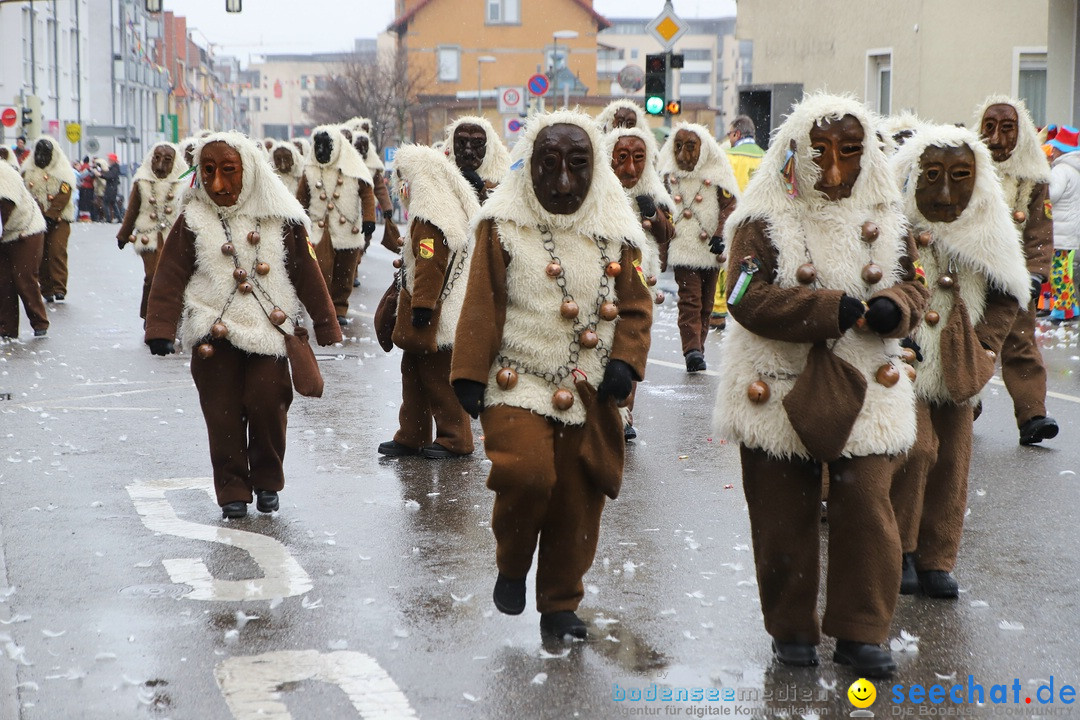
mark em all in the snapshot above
pixel 26 219
pixel 372 160
pixel 497 158
pixel 291 180
pixel 1027 162
pixel 58 172
pixel 607 115
pixel 648 184
pixel 344 164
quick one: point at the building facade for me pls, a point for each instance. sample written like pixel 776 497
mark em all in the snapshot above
pixel 282 90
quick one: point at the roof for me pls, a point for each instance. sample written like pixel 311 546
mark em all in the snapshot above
pixel 401 24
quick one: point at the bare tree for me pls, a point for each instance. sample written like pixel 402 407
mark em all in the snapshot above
pixel 381 88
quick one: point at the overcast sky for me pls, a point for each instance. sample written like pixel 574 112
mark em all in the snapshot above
pixel 289 26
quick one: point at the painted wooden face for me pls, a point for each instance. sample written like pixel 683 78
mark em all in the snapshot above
pixel 161 162
pixel 628 160
pixel 283 160
pixel 322 146
pixel 222 173
pixel 1000 129
pixel 946 182
pixel 470 146
pixel 838 151
pixel 43 154
pixel 562 168
pixel 362 145
pixel 624 118
pixel 687 150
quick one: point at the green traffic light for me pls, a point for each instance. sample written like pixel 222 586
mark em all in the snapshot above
pixel 654 105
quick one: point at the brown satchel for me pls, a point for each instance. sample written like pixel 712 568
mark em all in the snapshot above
pixel 824 403
pixel 306 377
pixel 603 445
pixel 418 340
pixel 386 316
pixel 965 364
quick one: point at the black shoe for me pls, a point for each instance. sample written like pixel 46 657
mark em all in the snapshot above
pixel 865 659
pixel 435 451
pixel 795 653
pixel 41 333
pixel 59 297
pixel 267 501
pixel 342 320
pixel 356 283
pixel 1037 429
pixel 695 361
pixel 628 432
pixel 392 448
pixel 48 298
pixel 234 510
pixel 939 584
pixel 909 579
pixel 509 595
pixel 563 623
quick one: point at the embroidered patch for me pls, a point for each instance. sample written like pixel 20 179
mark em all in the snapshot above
pixel 920 274
pixel 427 248
pixel 311 250
pixel 641 274
pixel 65 188
pixel 1048 210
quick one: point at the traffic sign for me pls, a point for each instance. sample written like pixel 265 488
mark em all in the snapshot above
pixel 668 27
pixel 9 117
pixel 538 85
pixel 74 132
pixel 512 128
pixel 511 100
pixel 389 153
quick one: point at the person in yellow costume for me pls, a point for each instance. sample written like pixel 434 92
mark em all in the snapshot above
pixel 744 155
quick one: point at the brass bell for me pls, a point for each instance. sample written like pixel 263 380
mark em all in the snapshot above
pixel 562 399
pixel 253 237
pixel 569 309
pixel 322 223
pixel 322 196
pixel 219 330
pixel 932 318
pixel 341 220
pixel 871 274
pixel 153 200
pixel 262 268
pixel 708 183
pixel 239 274
pixel 277 316
pixel 170 196
pixel 554 269
pixel 318 183
pixel 228 249
pixel 168 209
pixel 131 238
pixel 660 297
pixel 806 273
pixel 991 354
pixel 678 199
pixel 506 378
pixel 698 198
pixel 613 269
pixel 887 375
pixel 924 238
pixel 650 281
pixel 674 180
pixel 355 230
pixel 161 226
pixel 245 287
pixel 336 195
pixel 870 231
pixel 153 216
pixel 30 184
pixel 910 372
pixel 703 236
pixel 46 176
pixel 145 240
pixel 758 391
pixel 688 213
pixel 646 224
pixel 206 351
pixel 588 339
pixel 329 206
pixel 1020 216
pixel 340 181
pixel 946 281
pixel 397 262
pixel 609 311
pixel 907 355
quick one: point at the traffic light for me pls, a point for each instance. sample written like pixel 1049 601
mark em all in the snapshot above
pixel 655 84
pixel 674 107
pixel 31 117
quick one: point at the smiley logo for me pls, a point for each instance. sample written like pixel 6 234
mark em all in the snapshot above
pixel 862 693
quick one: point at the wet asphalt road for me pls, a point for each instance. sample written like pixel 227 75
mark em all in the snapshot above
pixel 124 595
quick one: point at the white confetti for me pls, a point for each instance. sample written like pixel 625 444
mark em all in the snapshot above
pixel 539 679
pixel 53 633
pixel 462 599
pixel 951 676
pixel 1066 472
pixel 979 604
pixel 311 604
pixel 545 655
pixel 338 645
pixel 401 633
pixel 1008 625
pixel 470 697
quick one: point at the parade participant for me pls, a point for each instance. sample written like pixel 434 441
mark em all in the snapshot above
pixel 1064 196
pixel 391 237
pixel 288 164
pixel 473 145
pixel 152 209
pixel 51 180
pixel 21 151
pixel 820 286
pixel 187 147
pixel 896 129
pixel 236 267
pixel 633 154
pixel 540 356
pixel 1006 127
pixel 975 270
pixel 704 190
pixel 622 114
pixel 304 146
pixel 434 274
pixel 22 237
pixel 336 191
pixel 8 155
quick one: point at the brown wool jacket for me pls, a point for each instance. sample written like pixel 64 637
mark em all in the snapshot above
pixel 1039 232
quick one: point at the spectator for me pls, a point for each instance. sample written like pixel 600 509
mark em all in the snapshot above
pixel 84 176
pixel 1065 201
pixel 21 151
pixel 112 210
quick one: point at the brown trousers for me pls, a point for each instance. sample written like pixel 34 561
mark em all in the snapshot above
pixel 20 261
pixel 245 401
pixel 1022 368
pixel 696 291
pixel 542 493
pixel 425 394
pixel 338 269
pixel 53 272
pixel 929 492
pixel 784 500
pixel 149 260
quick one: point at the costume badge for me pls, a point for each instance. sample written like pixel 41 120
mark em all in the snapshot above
pixel 920 273
pixel 1048 210
pixel 787 172
pixel 747 267
pixel 641 274
pixel 65 188
pixel 427 248
pixel 311 250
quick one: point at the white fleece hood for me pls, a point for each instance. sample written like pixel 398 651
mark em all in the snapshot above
pixel 1027 161
pixel 607 115
pixel 497 158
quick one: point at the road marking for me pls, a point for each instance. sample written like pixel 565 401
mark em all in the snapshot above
pixel 282 574
pixel 251 685
pixel 681 366
pixel 1049 393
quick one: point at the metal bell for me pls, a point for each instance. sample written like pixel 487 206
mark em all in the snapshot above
pixel 506 378
pixel 932 318
pixel 887 375
pixel 554 269
pixel 806 273
pixel 871 274
pixel 613 269
pixel 569 309
pixel 562 399
pixel 870 231
pixel 609 311
pixel 946 281
pixel 588 339
pixel 758 391
pixel 277 316
pixel 262 268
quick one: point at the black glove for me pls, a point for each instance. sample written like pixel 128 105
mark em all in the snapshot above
pixel 618 381
pixel 851 309
pixel 883 316
pixel 421 317
pixel 1036 286
pixel 368 228
pixel 50 225
pixel 910 344
pixel 471 396
pixel 716 245
pixel 475 180
pixel 646 206
pixel 159 346
pixel 121 242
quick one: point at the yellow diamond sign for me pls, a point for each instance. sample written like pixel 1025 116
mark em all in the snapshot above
pixel 668 27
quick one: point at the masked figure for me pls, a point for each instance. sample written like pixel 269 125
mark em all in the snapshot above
pixel 391 239
pixel 51 180
pixel 473 145
pixel 622 114
pixel 288 164
pixel 22 237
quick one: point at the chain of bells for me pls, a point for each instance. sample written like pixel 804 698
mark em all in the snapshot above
pixel 888 375
pixel 459 269
pixel 689 214
pixel 247 282
pixel 584 332
pixel 166 211
pixel 48 195
pixel 342 220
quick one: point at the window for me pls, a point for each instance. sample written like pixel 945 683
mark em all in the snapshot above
pixel 633 54
pixel 322 82
pixel 697 54
pixel 503 12
pixel 50 48
pixel 610 54
pixel 304 105
pixel 879 80
pixel 449 62
pixel 695 77
pixel 258 104
pixel 1030 66
pixel 303 82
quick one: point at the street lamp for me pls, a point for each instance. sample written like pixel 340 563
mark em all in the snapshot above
pixel 232 6
pixel 153 6
pixel 557 36
pixel 479 66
